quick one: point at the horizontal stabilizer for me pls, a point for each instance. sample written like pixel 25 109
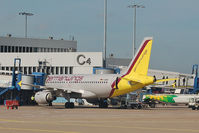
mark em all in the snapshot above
pixel 163 80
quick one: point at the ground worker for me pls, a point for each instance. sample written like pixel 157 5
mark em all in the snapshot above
pixel 174 84
pixel 32 98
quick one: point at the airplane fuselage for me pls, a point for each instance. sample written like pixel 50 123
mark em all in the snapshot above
pixel 92 86
pixel 96 86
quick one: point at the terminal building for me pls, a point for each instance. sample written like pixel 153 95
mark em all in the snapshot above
pixel 46 55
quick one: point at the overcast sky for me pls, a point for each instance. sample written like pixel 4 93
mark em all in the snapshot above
pixel 174 25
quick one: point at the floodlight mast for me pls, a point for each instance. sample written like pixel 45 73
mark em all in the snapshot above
pixel 105 31
pixel 26 16
pixel 135 6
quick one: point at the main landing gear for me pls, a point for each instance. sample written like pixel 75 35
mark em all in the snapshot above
pixel 50 104
pixel 69 105
pixel 103 103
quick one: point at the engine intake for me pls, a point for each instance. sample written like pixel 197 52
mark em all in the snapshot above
pixel 44 97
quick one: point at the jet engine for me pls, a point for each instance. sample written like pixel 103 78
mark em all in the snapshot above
pixel 44 97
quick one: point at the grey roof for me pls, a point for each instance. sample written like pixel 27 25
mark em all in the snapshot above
pixel 31 42
pixel 117 62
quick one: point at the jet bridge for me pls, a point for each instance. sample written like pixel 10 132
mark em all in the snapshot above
pixel 11 87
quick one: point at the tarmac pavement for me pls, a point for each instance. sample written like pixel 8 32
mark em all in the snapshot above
pixel 57 119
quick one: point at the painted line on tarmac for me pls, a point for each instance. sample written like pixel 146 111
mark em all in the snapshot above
pixel 16 121
pixel 102 126
pixel 35 130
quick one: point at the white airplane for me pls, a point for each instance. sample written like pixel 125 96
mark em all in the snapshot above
pixel 96 88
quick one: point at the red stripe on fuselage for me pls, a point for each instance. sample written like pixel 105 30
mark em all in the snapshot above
pixel 131 67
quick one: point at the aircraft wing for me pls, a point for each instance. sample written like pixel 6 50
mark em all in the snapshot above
pixel 137 81
pixel 50 88
pixel 84 93
pixel 39 86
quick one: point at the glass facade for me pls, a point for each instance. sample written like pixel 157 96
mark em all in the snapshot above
pixel 22 49
pixel 30 70
pixel 16 45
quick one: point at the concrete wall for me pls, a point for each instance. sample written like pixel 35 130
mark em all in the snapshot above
pixel 82 70
pixel 54 59
pixel 53 63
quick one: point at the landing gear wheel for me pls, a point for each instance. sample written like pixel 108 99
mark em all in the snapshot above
pixel 72 105
pixel 69 105
pixel 103 103
pixel 50 104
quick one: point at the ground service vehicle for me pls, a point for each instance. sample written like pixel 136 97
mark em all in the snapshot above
pixel 194 103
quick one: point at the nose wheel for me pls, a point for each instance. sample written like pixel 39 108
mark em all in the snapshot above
pixel 50 104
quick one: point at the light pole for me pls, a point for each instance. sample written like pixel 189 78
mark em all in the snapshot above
pixel 135 6
pixel 105 30
pixel 26 16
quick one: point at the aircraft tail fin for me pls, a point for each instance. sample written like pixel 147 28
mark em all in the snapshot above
pixel 140 62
